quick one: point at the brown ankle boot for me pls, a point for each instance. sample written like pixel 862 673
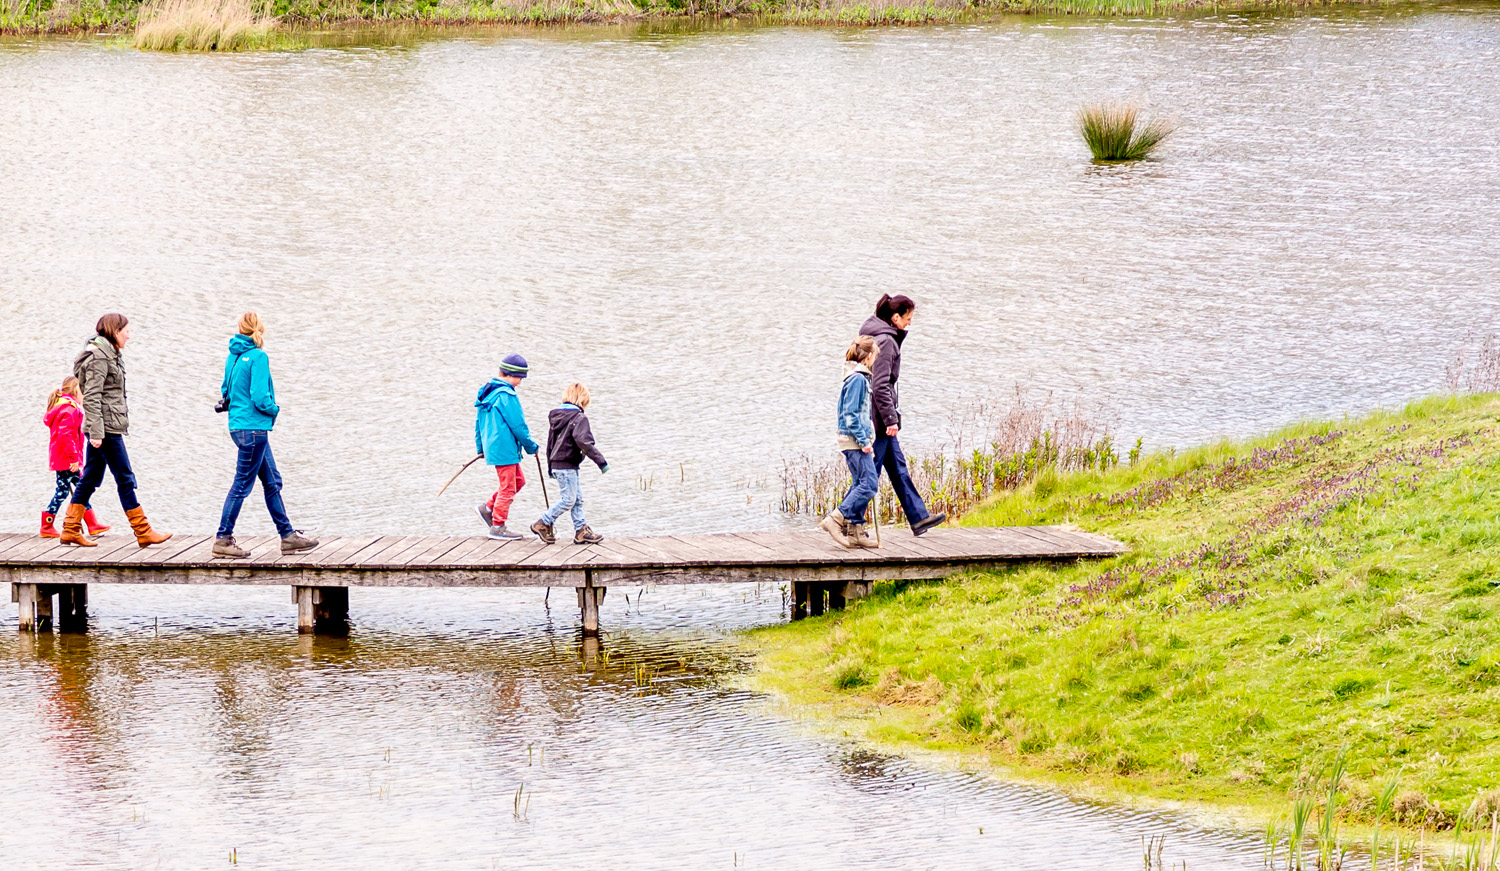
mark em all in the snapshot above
pixel 72 531
pixel 144 534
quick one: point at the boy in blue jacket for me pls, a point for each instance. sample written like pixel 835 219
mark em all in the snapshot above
pixel 500 434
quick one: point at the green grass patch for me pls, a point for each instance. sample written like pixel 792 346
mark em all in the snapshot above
pixel 1331 587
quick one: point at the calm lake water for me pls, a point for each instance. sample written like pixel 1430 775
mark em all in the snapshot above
pixel 693 224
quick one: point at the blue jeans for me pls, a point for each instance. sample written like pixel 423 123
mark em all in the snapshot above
pixel 866 480
pixel 255 461
pixel 888 456
pixel 110 453
pixel 569 497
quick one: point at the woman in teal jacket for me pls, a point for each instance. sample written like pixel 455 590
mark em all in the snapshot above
pixel 251 398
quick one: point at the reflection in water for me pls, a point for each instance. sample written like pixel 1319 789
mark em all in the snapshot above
pixel 502 740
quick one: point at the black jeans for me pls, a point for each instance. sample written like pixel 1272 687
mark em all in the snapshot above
pixel 110 453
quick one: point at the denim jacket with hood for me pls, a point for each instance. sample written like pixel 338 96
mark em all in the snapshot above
pixel 247 383
pixel 856 430
pixel 500 431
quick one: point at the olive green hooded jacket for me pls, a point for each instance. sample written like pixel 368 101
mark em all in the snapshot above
pixel 100 371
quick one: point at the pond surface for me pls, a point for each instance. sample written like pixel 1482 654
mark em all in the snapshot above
pixel 693 224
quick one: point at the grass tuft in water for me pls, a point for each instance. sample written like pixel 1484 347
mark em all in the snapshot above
pixel 1116 132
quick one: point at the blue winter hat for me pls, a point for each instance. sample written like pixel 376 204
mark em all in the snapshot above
pixel 515 365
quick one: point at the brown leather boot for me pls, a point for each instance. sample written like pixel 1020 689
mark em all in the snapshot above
pixel 144 534
pixel 72 531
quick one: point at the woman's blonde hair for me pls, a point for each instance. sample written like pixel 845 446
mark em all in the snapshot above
pixel 577 394
pixel 863 350
pixel 250 325
pixel 69 388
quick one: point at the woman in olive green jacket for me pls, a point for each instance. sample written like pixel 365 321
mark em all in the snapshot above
pixel 100 370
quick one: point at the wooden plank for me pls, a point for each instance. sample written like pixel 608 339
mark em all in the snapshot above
pixel 346 551
pixel 34 549
pixel 439 550
pixel 416 548
pixel 805 548
pixel 201 552
pixel 512 554
pixel 1058 544
pixel 160 553
pixel 389 547
pixel 618 552
pixel 74 555
pixel 640 549
pixel 697 548
pixel 1013 541
pixel 479 556
pixel 10 540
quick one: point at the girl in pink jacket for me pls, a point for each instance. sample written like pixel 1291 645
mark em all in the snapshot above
pixel 64 421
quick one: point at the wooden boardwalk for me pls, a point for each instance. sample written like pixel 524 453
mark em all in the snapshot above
pixel 816 568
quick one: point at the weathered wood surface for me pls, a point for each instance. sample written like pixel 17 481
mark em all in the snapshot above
pixel 441 561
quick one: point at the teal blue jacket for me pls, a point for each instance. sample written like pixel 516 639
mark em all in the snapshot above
pixel 247 383
pixel 499 426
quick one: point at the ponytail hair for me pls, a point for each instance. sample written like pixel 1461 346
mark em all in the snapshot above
pixel 890 306
pixel 110 326
pixel 863 351
pixel 250 325
pixel 69 388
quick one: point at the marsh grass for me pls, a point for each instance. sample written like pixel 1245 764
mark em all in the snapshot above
pixel 1116 132
pixel 995 444
pixel 1332 586
pixel 201 25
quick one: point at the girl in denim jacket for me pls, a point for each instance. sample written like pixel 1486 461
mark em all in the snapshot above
pixel 856 438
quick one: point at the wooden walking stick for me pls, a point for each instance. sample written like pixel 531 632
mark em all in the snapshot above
pixel 459 472
pixel 877 512
pixel 543 479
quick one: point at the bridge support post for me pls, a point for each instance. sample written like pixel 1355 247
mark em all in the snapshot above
pixel 34 604
pixel 322 610
pixel 808 596
pixel 799 599
pixel 590 598
pixel 73 607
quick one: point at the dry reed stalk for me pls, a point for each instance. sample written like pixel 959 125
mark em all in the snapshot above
pixel 200 25
pixel 1476 366
pixel 995 444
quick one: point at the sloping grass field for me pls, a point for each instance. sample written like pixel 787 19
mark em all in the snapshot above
pixel 1332 587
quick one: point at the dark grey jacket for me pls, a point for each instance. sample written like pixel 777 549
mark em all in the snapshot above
pixel 570 439
pixel 100 371
pixel 885 405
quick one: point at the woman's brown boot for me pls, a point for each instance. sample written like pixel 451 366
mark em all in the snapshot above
pixel 144 534
pixel 72 531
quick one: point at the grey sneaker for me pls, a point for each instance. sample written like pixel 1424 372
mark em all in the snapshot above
pixel 226 548
pixel 837 528
pixel 297 542
pixel 500 533
pixel 484 515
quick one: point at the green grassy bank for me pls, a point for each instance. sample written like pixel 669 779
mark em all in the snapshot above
pixel 122 16
pixel 1334 586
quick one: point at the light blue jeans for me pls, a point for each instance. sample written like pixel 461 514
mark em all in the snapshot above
pixel 569 498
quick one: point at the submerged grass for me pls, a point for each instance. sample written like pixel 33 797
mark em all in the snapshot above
pixel 1333 588
pixel 1116 132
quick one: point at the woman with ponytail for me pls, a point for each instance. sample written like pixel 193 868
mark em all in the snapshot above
pixel 888 326
pixel 250 398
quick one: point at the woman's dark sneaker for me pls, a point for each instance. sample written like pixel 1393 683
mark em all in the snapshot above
pixel 500 533
pixel 544 532
pixel 227 548
pixel 484 515
pixel 296 542
pixel 927 523
pixel 587 536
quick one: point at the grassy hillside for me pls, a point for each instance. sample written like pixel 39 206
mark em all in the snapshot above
pixel 1334 586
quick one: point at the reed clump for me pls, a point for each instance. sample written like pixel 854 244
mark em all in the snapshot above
pixel 1116 132
pixel 201 25
pixel 993 445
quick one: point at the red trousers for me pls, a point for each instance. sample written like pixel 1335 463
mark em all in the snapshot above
pixel 511 482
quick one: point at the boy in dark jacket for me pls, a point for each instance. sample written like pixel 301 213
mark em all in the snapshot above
pixel 569 440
